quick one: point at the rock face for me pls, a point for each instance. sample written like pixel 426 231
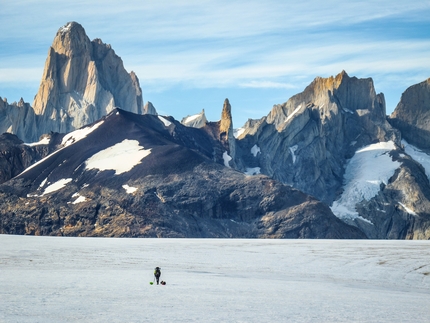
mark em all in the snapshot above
pixel 333 141
pixel 385 194
pixel 330 143
pixel 306 141
pixel 82 81
pixel 149 176
pixel 16 156
pixel 196 121
pixel 17 118
pixel 149 109
pixel 412 115
pixel 226 134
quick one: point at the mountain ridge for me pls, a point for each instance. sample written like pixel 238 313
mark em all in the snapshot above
pixel 172 190
pixel 330 145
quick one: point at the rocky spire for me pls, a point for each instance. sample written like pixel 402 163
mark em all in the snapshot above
pixel 226 120
pixel 82 81
pixel 226 130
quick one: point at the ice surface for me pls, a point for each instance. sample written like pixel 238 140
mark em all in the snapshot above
pixel 370 167
pixel 57 279
pixel 121 157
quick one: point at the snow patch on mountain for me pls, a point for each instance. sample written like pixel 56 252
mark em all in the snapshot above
pixel 418 155
pixel 43 141
pixel 79 134
pixel 165 121
pixel 191 118
pixel 129 189
pixel 79 199
pixel 237 132
pixel 255 150
pixel 252 171
pixel 293 151
pixel 226 158
pixel 66 28
pixel 57 186
pixel 408 210
pixel 370 167
pixel 43 182
pixel 121 157
pixel 293 113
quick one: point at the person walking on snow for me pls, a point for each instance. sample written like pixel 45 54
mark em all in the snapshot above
pixel 157 274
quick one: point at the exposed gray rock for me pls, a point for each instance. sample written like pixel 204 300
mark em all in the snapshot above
pixel 386 194
pixel 412 115
pixel 17 118
pixel 82 81
pixel 196 121
pixel 226 135
pixel 306 141
pixel 176 190
pixel 15 156
pixel 149 109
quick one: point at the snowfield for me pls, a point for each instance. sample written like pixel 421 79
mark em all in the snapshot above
pixel 370 167
pixel 121 157
pixel 55 279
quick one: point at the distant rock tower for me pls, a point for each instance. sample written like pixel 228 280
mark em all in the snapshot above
pixel 226 131
pixel 82 81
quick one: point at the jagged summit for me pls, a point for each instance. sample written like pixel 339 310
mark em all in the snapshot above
pixel 196 121
pixel 412 115
pixel 130 175
pixel 82 81
pixel 308 138
pixel 71 40
pixel 227 134
pixel 226 119
pixel 331 141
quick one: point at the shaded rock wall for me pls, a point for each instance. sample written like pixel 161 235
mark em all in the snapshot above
pixel 412 115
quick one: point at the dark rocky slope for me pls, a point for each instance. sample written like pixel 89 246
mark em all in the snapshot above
pixel 176 190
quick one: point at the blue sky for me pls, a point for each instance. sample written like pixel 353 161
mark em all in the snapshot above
pixel 191 55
